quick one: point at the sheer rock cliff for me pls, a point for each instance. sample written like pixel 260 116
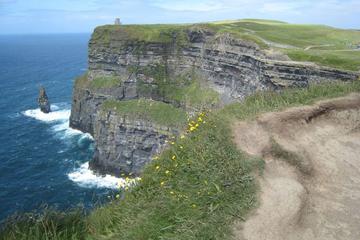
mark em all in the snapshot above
pixel 234 68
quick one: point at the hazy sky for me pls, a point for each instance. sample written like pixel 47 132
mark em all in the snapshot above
pixel 58 16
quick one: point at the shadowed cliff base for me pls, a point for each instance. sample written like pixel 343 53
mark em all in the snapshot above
pixel 310 186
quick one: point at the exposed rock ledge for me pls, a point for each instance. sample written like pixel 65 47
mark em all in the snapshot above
pixel 234 68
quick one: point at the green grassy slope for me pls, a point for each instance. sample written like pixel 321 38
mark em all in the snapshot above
pixel 320 44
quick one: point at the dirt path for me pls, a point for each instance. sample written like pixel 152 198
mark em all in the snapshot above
pixel 310 188
pixel 318 46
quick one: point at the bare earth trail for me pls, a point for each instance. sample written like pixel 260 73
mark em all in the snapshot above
pixel 310 188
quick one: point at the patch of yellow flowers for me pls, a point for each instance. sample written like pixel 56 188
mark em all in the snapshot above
pixel 126 183
pixel 194 125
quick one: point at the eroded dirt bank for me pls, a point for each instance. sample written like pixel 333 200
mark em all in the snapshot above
pixel 310 188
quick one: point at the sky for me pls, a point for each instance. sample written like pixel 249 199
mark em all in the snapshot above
pixel 82 16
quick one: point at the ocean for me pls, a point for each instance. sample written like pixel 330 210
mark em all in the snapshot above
pixel 43 162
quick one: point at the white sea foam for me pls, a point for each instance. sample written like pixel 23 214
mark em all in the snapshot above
pixel 84 177
pixel 65 130
pixel 55 115
pixel 60 116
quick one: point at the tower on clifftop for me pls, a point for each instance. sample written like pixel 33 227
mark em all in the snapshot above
pixel 117 21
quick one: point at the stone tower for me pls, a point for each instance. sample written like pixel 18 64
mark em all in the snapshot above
pixel 117 21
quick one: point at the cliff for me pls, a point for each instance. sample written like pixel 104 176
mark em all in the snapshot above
pixel 186 68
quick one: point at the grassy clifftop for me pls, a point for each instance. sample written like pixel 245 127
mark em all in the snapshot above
pixel 315 43
pixel 157 112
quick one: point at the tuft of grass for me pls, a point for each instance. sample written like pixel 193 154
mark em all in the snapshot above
pixel 105 82
pixel 98 82
pixel 49 224
pixel 157 112
pixel 294 159
pixel 81 81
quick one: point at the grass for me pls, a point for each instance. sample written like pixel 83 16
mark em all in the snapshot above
pixel 210 184
pixel 348 60
pixel 98 82
pixel 105 82
pixel 50 224
pixel 81 81
pixel 294 159
pixel 157 112
pixel 160 33
pixel 186 90
pixel 202 183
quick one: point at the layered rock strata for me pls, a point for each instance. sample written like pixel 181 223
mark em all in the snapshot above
pixel 233 67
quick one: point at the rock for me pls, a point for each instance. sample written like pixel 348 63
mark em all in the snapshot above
pixel 125 146
pixel 43 101
pixel 232 67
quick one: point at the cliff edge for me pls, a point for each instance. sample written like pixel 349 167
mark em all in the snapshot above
pixel 133 69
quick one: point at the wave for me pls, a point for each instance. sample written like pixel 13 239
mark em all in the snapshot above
pixel 85 177
pixel 55 115
pixel 59 115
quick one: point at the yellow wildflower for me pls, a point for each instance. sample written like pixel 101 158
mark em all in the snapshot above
pixel 157 167
pixel 194 205
pixel 162 183
pixel 181 147
pixel 172 143
pixel 173 157
pixel 171 192
pixel 200 119
pixel 182 137
pixel 156 158
pixel 117 196
pixel 167 172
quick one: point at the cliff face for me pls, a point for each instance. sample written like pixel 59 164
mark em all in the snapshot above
pixel 125 146
pixel 233 68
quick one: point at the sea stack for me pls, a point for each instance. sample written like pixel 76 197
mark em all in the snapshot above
pixel 43 101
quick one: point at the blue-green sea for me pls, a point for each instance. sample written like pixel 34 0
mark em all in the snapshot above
pixel 43 162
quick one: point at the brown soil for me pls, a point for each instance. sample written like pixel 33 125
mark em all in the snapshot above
pixel 310 188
